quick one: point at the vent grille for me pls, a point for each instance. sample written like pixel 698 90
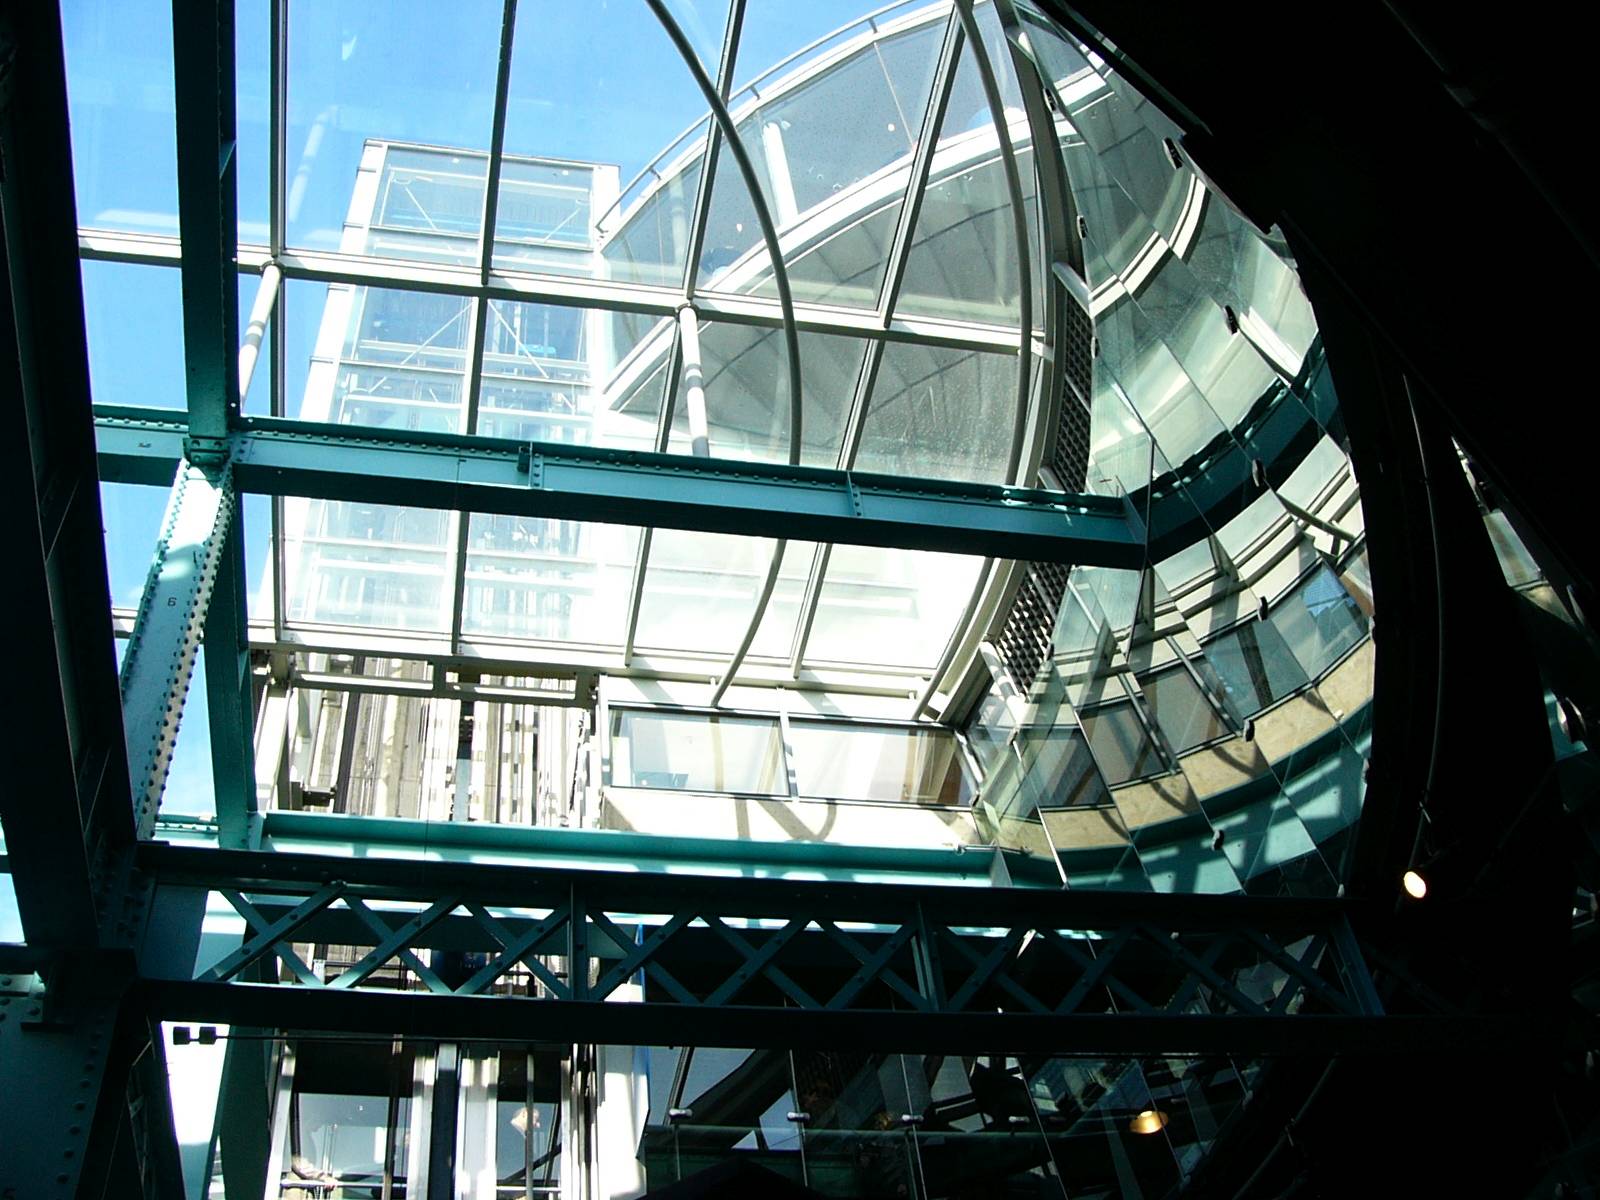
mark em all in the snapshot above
pixel 1070 457
pixel 1026 640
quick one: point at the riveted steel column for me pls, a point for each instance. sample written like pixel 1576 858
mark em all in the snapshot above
pixel 159 660
pixel 228 690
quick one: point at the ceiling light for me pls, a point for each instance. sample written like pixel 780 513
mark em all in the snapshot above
pixel 1151 1120
pixel 1416 886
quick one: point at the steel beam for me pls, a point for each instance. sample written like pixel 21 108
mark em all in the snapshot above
pixel 203 78
pixel 654 1023
pixel 229 692
pixel 625 487
pixel 55 1133
pixel 159 659
pixel 1106 972
pixel 65 801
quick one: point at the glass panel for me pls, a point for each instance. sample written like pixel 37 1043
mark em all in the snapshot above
pixel 832 140
pixel 745 370
pixel 1181 709
pixel 1319 621
pixel 859 762
pixel 120 102
pixel 376 565
pixel 349 1121
pixel 731 1106
pixel 377 356
pixel 1185 864
pixel 257 518
pixel 856 1143
pixel 429 205
pixel 253 84
pixel 527 1138
pixel 361 77
pixel 1061 772
pixel 133 315
pixel 962 262
pixel 989 727
pixel 132 516
pixel 983 1134
pixel 700 590
pixel 1255 666
pixel 257 402
pixel 895 607
pixel 940 413
pixel 531 577
pixel 697 752
pixel 775 636
pixel 1120 743
pixel 580 94
pixel 1172 407
pixel 1094 849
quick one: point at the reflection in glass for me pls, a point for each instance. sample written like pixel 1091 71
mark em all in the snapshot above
pixel 1181 709
pixel 697 752
pixel 349 1122
pixel 858 762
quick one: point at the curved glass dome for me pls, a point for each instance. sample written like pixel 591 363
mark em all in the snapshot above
pixel 925 241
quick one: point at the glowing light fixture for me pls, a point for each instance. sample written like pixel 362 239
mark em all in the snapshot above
pixel 1416 886
pixel 1151 1120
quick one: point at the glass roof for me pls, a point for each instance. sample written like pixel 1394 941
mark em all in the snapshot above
pixel 618 201
pixel 626 296
pixel 949 237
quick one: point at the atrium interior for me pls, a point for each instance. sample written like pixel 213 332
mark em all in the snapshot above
pixel 684 597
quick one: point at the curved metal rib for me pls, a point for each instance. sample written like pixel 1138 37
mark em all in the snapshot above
pixel 769 232
pixel 939 89
pixel 780 276
pixel 1019 223
pixel 762 600
pixel 752 87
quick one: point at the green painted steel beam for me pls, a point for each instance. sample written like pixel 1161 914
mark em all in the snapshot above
pixel 160 656
pixel 65 798
pixel 1091 1034
pixel 496 475
pixel 402 839
pixel 203 74
pixel 228 692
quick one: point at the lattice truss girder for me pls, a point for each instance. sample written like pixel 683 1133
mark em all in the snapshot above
pixel 540 938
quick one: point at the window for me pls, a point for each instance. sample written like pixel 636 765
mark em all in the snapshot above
pixel 697 752
pixel 349 1121
pixel 1255 666
pixel 1319 621
pixel 857 762
pixel 1181 709
pixel 1120 743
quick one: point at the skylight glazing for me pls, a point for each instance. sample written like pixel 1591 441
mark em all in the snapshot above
pixel 993 265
